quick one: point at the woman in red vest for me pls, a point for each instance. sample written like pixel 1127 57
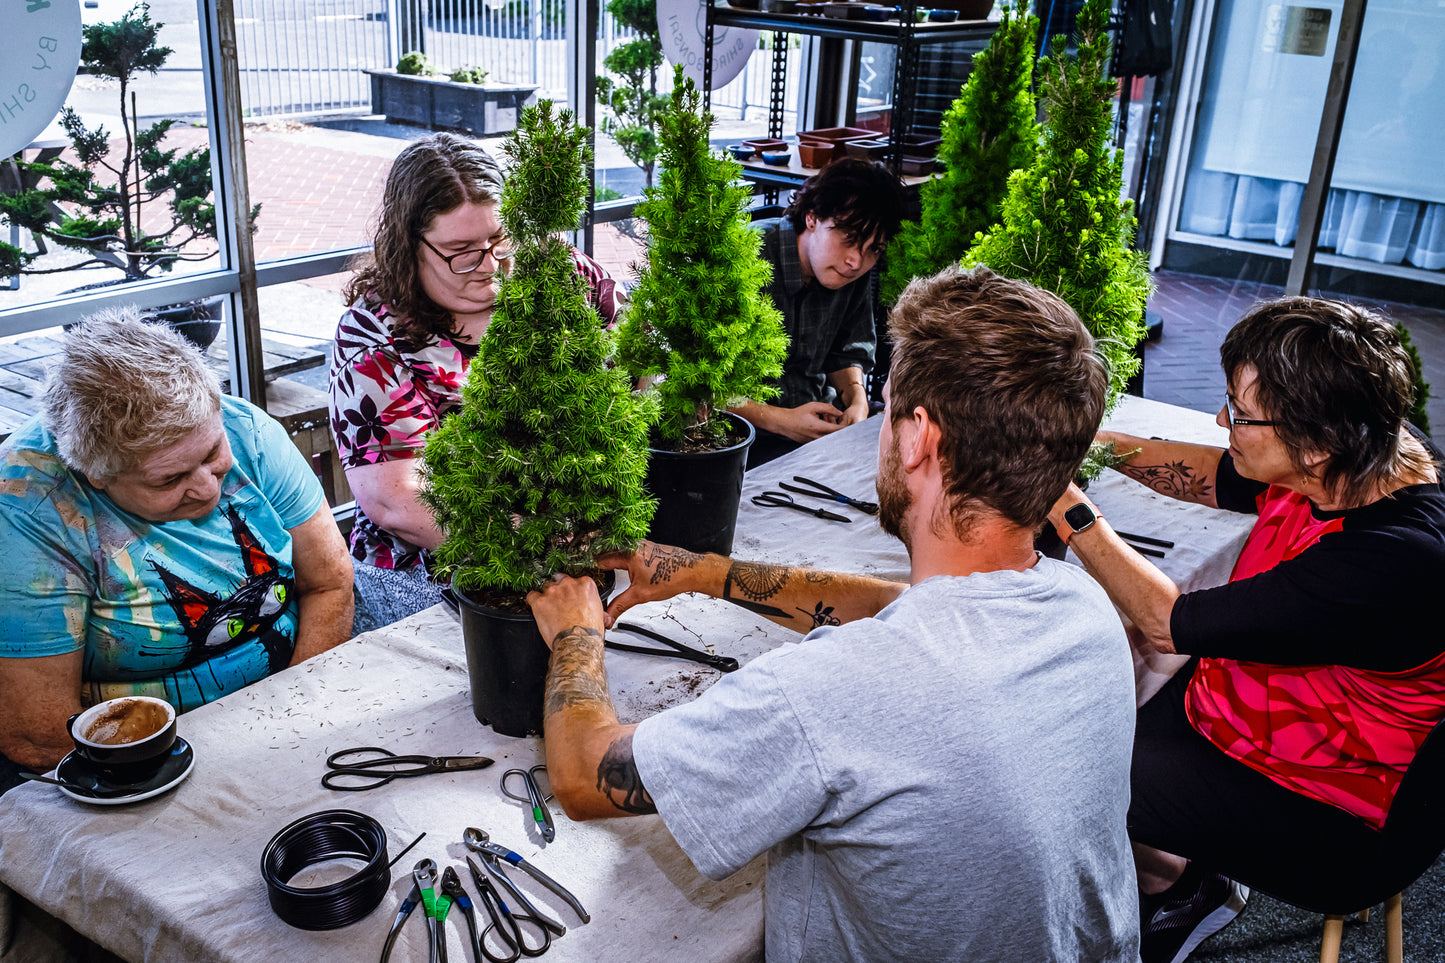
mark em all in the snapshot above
pixel 1283 741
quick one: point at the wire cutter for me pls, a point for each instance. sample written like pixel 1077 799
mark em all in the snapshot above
pixel 452 889
pixel 423 893
pixel 823 491
pixel 385 765
pixel 534 798
pixel 507 924
pixel 781 500
pixel 493 855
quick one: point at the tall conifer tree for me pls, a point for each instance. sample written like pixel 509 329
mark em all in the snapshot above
pixel 698 315
pixel 541 469
pixel 988 133
pixel 1064 226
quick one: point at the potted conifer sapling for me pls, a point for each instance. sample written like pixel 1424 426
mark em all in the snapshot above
pixel 1064 226
pixel 541 469
pixel 701 327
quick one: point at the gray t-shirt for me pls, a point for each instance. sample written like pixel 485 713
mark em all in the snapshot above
pixel 946 781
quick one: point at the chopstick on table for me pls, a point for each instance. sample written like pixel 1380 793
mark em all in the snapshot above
pixel 1144 539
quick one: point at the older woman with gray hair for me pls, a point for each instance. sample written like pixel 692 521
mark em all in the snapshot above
pixel 420 304
pixel 161 539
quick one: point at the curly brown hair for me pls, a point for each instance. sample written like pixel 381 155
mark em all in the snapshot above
pixel 430 177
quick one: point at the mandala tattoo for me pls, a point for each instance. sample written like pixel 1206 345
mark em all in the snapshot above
pixel 755 583
pixel 576 675
pixel 821 615
pixel 669 561
pixel 617 777
pixel 1175 479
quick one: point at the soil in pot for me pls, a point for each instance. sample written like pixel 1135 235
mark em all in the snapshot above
pixel 698 492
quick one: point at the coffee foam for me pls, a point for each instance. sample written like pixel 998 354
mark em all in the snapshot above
pixel 127 720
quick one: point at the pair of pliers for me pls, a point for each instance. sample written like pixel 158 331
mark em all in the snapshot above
pixel 823 491
pixel 452 889
pixel 423 893
pixel 479 842
pixel 507 924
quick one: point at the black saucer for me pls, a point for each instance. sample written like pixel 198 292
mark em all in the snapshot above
pixel 89 785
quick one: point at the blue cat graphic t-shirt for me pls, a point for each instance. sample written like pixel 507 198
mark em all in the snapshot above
pixel 187 610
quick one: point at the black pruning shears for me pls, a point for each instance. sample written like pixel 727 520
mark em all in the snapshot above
pixel 823 491
pixel 674 650
pixel 781 500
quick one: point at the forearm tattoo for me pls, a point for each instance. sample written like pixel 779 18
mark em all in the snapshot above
pixel 618 779
pixel 821 615
pixel 749 584
pixel 666 561
pixel 1175 479
pixel 576 675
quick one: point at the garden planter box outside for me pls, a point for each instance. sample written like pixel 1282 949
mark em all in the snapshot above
pixel 442 104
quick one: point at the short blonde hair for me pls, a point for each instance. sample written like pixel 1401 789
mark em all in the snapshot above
pixel 123 389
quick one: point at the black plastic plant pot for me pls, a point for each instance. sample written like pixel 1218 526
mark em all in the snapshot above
pixel 507 663
pixel 507 666
pixel 698 493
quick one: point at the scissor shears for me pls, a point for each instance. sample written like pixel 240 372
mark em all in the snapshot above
pixel 780 500
pixel 383 766
pixel 534 798
pixel 823 491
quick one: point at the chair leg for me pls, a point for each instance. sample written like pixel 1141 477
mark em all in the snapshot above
pixel 1363 915
pixel 1394 930
pixel 1330 943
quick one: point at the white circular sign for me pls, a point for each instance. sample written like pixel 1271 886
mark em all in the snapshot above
pixel 39 53
pixel 681 23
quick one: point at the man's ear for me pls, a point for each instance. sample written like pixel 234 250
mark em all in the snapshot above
pixel 810 221
pixel 919 442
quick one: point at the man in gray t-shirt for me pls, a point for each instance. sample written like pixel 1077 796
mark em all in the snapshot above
pixel 942 770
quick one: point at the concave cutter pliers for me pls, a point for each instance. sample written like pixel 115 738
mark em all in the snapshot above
pixel 423 892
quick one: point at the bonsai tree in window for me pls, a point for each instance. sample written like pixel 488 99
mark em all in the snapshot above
pixel 1064 226
pixel 634 103
pixel 541 469
pixel 988 133
pixel 699 319
pixel 114 201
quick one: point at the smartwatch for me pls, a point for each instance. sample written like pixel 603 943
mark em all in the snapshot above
pixel 1080 518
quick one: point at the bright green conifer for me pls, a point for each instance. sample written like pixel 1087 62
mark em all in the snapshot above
pixel 699 316
pixel 542 467
pixel 988 133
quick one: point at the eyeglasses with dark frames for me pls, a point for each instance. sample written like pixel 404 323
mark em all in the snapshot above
pixel 465 262
pixel 1233 421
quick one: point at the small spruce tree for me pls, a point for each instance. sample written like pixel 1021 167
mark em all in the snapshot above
pixel 988 133
pixel 699 316
pixel 1064 226
pixel 541 469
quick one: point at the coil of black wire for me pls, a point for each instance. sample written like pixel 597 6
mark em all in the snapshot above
pixel 317 838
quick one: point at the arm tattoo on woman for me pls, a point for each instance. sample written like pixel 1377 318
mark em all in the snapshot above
pixel 669 561
pixel 1175 479
pixel 576 675
pixel 755 583
pixel 618 778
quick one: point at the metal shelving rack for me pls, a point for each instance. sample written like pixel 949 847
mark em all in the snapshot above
pixel 908 36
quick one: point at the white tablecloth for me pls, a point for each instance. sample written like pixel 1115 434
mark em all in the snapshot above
pixel 177 878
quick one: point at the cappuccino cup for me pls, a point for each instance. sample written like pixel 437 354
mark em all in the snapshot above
pixel 127 737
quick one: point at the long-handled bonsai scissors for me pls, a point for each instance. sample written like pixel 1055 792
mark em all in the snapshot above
pixel 781 500
pixel 823 491
pixel 384 765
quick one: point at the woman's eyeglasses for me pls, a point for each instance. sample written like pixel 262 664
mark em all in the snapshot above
pixel 1233 421
pixel 466 262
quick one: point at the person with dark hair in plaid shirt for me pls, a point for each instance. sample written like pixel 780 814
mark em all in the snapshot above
pixel 822 251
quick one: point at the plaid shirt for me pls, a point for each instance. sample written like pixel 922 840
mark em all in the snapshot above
pixel 827 330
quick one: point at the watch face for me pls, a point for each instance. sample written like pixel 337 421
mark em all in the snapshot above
pixel 1079 517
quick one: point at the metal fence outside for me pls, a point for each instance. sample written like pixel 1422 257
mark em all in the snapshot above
pixel 307 56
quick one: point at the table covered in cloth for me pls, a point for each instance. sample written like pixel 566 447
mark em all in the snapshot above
pixel 177 877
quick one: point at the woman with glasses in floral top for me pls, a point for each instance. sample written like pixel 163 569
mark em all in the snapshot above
pixel 1271 759
pixel 420 304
